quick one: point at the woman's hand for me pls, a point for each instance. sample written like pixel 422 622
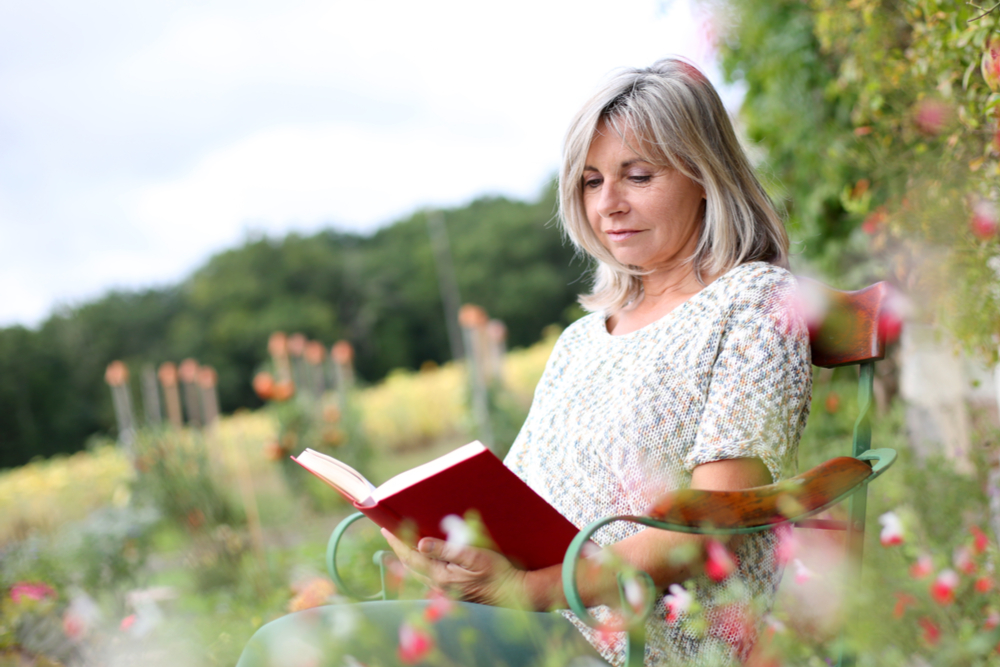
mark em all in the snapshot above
pixel 467 573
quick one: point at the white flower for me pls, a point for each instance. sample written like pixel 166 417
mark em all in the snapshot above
pixel 892 529
pixel 678 601
pixel 458 531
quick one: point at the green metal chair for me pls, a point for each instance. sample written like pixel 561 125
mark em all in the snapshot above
pixel 851 332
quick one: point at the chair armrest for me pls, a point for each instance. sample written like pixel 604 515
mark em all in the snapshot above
pixel 331 562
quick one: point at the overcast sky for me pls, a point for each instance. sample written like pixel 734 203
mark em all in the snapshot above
pixel 138 138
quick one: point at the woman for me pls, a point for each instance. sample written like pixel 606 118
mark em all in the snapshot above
pixel 688 372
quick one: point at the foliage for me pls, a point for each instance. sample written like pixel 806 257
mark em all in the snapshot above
pixel 879 122
pixel 174 475
pixel 380 292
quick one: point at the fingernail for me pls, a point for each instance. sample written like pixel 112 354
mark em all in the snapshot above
pixel 426 546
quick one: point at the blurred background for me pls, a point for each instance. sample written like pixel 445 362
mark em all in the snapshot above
pixel 230 231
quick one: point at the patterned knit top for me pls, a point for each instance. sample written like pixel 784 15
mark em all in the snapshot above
pixel 618 420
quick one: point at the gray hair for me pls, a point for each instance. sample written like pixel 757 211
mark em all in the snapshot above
pixel 678 122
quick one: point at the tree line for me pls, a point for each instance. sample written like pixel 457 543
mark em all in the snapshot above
pixel 379 291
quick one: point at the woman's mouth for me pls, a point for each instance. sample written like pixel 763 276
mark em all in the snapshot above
pixel 621 234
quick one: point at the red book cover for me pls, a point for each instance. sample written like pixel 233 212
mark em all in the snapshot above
pixel 523 526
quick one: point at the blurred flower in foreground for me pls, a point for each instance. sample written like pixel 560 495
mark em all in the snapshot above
pixel 787 544
pixel 414 644
pixel 892 529
pixel 312 593
pixel 923 567
pixel 902 602
pixel 31 591
pixel 457 530
pixel 932 633
pixel 81 615
pixel 979 539
pixel 678 601
pixel 984 584
pixel 440 605
pixel 943 588
pixel 931 116
pixel 874 220
pixel 802 573
pixel 984 221
pixel 720 563
pixel 963 560
pixel 991 63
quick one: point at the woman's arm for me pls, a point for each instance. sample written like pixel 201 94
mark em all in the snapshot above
pixel 481 575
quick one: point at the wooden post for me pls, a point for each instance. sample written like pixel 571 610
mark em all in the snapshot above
pixel 277 346
pixel 314 356
pixel 188 373
pixel 207 381
pixel 116 376
pixel 473 321
pixel 168 380
pixel 496 337
pixel 151 396
pixel 297 348
pixel 343 367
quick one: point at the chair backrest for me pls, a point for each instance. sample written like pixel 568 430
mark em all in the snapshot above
pixel 845 327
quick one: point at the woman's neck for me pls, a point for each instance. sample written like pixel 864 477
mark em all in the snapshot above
pixel 661 293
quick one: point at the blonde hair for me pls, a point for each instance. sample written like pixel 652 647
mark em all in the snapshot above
pixel 678 122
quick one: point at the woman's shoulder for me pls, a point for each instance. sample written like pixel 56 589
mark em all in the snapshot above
pixel 755 285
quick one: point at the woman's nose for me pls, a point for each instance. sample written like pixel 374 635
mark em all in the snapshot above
pixel 611 201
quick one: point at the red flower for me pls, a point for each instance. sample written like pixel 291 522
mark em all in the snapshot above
pixel 874 220
pixel 984 584
pixel 963 560
pixel 31 591
pixel 414 644
pixel 990 64
pixel 74 624
pixel 932 633
pixel 439 607
pixel 892 529
pixel 832 402
pixel 932 116
pixel 902 602
pixel 980 541
pixel 127 622
pixel 992 619
pixel 943 588
pixel 923 567
pixel 720 563
pixel 984 221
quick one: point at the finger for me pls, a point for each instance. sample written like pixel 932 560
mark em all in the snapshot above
pixel 470 558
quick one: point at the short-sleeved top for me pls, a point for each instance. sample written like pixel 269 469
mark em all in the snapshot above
pixel 618 420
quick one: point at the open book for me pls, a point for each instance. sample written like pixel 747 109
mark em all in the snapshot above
pixel 520 523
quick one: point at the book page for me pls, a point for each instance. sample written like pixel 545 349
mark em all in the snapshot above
pixel 426 470
pixel 338 474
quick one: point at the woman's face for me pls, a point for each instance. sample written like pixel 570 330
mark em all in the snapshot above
pixel 646 216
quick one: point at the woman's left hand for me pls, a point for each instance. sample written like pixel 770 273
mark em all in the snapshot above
pixel 468 573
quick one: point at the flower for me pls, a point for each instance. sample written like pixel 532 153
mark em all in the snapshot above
pixel 263 385
pixel 802 573
pixel 963 560
pixel 678 601
pixel 892 529
pixel 635 594
pixel 992 619
pixel 984 223
pixel 980 541
pixel 902 602
pixel 984 584
pixel 943 588
pixel 932 633
pixel 787 544
pixel 440 605
pixel 923 567
pixel 127 622
pixel 874 220
pixel 931 116
pixel 312 593
pixel 832 402
pixel 720 563
pixel 459 532
pixel 414 644
pixel 31 591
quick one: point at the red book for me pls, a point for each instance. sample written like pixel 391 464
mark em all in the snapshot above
pixel 520 523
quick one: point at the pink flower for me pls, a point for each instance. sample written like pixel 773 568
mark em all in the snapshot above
pixel 875 220
pixel 932 633
pixel 720 563
pixel 984 221
pixel 127 622
pixel 32 591
pixel 439 607
pixel 892 529
pixel 802 573
pixel 963 560
pixel 787 544
pixel 74 625
pixel 678 601
pixel 923 567
pixel 984 584
pixel 932 116
pixel 414 644
pixel 992 619
pixel 979 539
pixel 943 588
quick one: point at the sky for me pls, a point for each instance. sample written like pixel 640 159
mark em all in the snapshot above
pixel 139 138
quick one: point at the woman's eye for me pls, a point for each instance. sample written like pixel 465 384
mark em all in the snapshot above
pixel 640 178
pixel 591 183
